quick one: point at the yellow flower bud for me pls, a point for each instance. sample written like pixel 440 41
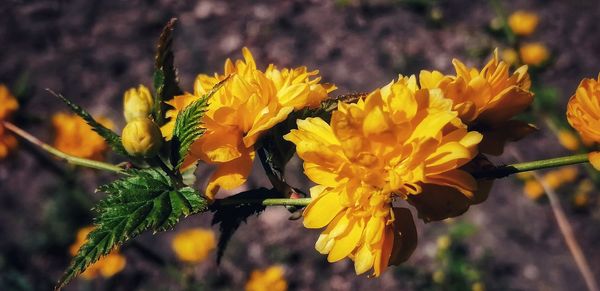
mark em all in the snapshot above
pixel 137 103
pixel 510 56
pixel 534 53
pixel 523 23
pixel 141 137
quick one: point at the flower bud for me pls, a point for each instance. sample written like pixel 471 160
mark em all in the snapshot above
pixel 137 103
pixel 141 137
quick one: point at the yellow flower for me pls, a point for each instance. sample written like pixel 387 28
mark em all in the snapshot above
pixel 533 189
pixel 141 137
pixel 568 140
pixel 594 158
pixel 583 110
pixel 75 137
pixel 401 141
pixel 107 266
pixel 137 103
pixel 8 101
pixel 510 56
pixel 487 100
pixel 443 242
pixel 523 23
pixel 7 142
pixel 581 199
pixel 193 245
pixel 270 279
pixel 477 286
pixel 9 105
pixel 534 54
pixel 249 103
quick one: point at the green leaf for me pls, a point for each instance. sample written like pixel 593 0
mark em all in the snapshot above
pixel 188 126
pixel 145 200
pixel 113 139
pixel 166 84
pixel 230 216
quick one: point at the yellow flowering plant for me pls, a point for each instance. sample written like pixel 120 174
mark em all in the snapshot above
pixel 416 144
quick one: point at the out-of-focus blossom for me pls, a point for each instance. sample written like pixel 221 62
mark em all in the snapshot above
pixel 523 23
pixel 568 140
pixel 533 189
pixel 534 54
pixel 106 267
pixel 269 279
pixel 510 56
pixel 8 105
pixel 74 136
pixel 193 245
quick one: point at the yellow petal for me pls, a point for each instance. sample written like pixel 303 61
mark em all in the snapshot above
pixel 346 242
pixel 594 158
pixel 322 210
pixel 230 175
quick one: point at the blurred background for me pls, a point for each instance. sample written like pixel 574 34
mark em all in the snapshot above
pixel 92 51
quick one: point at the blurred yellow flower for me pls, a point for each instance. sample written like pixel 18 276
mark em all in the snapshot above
pixel 583 110
pixel 137 103
pixel 594 158
pixel 248 104
pixel 401 141
pixel 141 137
pixel 8 107
pixel 510 56
pixel 107 266
pixel 523 23
pixel 581 199
pixel 487 100
pixel 8 101
pixel 75 137
pixel 568 140
pixel 524 176
pixel 533 189
pixel 478 286
pixel 193 245
pixel 270 279
pixel 444 242
pixel 534 54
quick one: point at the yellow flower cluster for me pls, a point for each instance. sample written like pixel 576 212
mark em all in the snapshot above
pixel 8 107
pixel 399 142
pixel 250 102
pixel 107 266
pixel 524 23
pixel 75 137
pixel 487 100
pixel 270 279
pixel 193 245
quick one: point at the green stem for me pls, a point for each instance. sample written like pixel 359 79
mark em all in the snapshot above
pixel 506 170
pixel 69 158
pixel 501 13
pixel 266 201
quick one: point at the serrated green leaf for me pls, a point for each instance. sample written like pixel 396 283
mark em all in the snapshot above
pixel 188 126
pixel 231 216
pixel 166 84
pixel 111 138
pixel 145 200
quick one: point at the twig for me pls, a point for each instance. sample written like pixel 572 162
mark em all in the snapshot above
pixel 567 231
pixel 69 158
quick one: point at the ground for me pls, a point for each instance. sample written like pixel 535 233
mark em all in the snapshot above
pixel 93 51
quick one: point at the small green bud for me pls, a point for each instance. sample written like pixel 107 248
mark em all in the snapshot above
pixel 141 138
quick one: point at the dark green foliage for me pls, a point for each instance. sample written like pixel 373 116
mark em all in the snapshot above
pixel 113 139
pixel 166 84
pixel 230 216
pixel 144 200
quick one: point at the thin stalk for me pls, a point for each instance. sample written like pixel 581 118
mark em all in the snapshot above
pixel 266 201
pixel 506 170
pixel 64 156
pixel 567 231
pixel 501 13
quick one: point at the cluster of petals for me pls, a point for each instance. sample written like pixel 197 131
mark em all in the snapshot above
pixel 583 113
pixel 487 99
pixel 250 102
pixel 401 141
